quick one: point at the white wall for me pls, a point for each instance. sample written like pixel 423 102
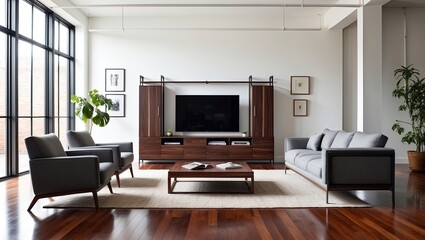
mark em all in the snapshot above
pixel 350 78
pixel 225 55
pixel 393 57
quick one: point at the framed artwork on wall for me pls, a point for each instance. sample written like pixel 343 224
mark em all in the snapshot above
pixel 115 80
pixel 300 85
pixel 300 107
pixel 118 105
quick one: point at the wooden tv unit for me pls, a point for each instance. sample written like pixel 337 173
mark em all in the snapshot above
pixel 153 145
pixel 200 148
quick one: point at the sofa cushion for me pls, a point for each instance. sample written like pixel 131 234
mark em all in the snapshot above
pixel 294 153
pixel 328 138
pixel 342 139
pixel 303 161
pixel 315 167
pixel 364 140
pixel 314 142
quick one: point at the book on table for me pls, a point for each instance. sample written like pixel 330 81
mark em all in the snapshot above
pixel 229 165
pixel 197 165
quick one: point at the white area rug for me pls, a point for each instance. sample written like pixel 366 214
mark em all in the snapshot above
pixel 273 189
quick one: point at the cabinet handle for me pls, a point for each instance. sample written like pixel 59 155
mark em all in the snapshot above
pixel 254 112
pixel 158 111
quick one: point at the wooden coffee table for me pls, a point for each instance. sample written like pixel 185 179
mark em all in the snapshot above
pixel 178 172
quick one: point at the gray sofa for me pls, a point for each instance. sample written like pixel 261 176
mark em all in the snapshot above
pixel 338 160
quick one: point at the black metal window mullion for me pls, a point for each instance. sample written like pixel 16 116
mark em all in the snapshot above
pixel 50 127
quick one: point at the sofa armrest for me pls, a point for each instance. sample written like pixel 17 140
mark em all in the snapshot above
pixel 124 146
pixel 64 174
pixel 358 166
pixel 295 143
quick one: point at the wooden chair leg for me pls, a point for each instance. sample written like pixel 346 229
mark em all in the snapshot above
pixel 34 200
pixel 131 171
pixel 110 187
pixel 96 200
pixel 117 175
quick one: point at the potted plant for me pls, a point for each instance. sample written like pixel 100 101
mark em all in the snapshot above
pixel 90 111
pixel 244 133
pixel 411 89
pixel 169 132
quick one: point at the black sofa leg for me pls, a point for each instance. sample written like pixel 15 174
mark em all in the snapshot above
pixel 327 196
pixel 393 197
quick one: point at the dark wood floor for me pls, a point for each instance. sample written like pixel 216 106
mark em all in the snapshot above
pixel 406 221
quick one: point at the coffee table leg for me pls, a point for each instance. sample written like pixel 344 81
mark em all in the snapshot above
pixel 169 184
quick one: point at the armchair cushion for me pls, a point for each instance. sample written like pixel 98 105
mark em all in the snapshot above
pixel 46 146
pixel 126 159
pixel 80 139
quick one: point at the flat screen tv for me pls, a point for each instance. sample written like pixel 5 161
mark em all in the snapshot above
pixel 207 113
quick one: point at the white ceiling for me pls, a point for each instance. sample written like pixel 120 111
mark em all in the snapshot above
pixel 104 8
pixel 299 8
pixel 406 3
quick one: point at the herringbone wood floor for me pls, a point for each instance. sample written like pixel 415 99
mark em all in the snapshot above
pixel 406 221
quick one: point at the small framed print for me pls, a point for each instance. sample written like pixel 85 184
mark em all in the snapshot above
pixel 114 80
pixel 300 85
pixel 118 105
pixel 300 107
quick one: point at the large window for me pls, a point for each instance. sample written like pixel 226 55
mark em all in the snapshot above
pixel 36 70
pixel 3 116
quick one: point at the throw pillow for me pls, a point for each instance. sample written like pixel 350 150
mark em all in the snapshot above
pixel 342 139
pixel 315 141
pixel 364 140
pixel 328 138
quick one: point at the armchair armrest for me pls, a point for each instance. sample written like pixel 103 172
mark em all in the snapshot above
pixel 295 143
pixel 104 154
pixel 358 166
pixel 124 146
pixel 64 174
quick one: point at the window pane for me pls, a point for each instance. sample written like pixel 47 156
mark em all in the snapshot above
pixel 63 87
pixel 56 35
pixel 2 147
pixel 24 76
pixel 3 13
pixel 25 19
pixel 3 74
pixel 63 128
pixel 39 81
pixel 24 132
pixel 64 39
pixel 39 26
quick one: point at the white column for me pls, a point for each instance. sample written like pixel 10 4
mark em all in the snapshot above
pixel 369 65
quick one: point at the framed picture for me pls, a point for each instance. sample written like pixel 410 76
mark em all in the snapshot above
pixel 300 107
pixel 300 85
pixel 118 105
pixel 114 80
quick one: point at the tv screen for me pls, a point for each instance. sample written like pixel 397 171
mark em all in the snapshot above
pixel 207 113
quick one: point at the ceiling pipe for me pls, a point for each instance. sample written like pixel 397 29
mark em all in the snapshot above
pixel 302 5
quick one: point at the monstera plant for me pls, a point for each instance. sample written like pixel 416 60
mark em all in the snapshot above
pixel 411 89
pixel 90 111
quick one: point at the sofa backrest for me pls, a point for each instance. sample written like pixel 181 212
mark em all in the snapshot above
pixel 342 139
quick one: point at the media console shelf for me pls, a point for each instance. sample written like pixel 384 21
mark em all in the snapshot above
pixel 153 145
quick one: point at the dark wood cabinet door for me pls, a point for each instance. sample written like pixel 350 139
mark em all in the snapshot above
pixel 262 111
pixel 150 112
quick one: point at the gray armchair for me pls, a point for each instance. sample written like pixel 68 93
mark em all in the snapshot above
pixel 55 172
pixel 123 151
